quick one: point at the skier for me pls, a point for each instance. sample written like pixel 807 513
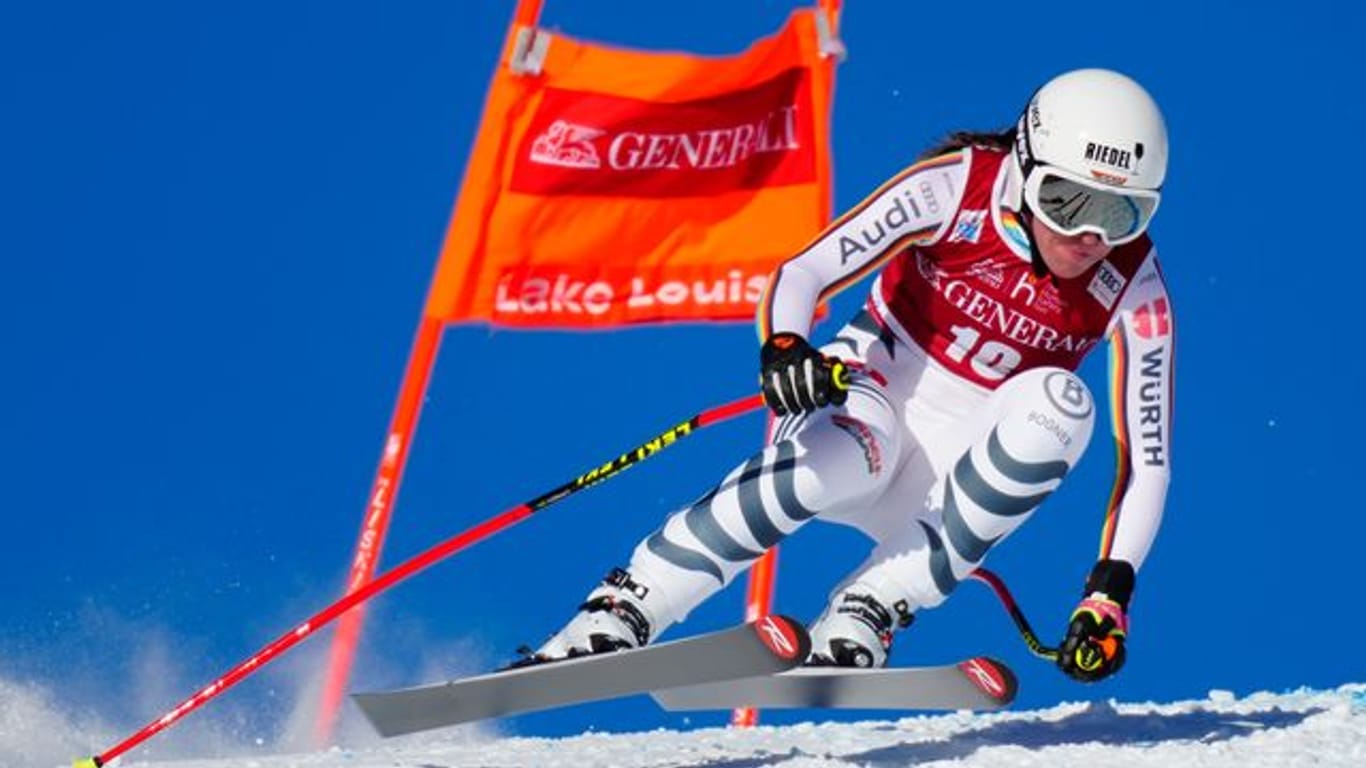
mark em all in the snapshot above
pixel 946 411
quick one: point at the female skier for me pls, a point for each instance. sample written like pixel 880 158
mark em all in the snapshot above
pixel 946 411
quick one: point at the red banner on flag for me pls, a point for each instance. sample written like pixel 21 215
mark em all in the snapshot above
pixel 618 187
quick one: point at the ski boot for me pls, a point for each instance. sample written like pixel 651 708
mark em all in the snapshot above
pixel 613 618
pixel 855 630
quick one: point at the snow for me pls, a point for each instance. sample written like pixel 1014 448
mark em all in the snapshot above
pixel 1295 728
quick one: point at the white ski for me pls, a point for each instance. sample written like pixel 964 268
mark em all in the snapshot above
pixel 771 644
pixel 978 683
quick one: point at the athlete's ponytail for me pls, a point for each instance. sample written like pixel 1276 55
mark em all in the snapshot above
pixel 957 140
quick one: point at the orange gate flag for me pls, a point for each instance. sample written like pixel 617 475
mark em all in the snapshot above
pixel 609 186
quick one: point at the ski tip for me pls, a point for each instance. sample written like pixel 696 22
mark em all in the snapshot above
pixel 87 762
pixel 993 678
pixel 785 637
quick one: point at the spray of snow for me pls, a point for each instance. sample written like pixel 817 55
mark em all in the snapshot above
pixel 35 730
pixel 100 693
pixel 137 673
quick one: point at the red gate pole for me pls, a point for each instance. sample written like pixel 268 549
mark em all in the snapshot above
pixel 764 573
pixel 376 522
pixel 386 485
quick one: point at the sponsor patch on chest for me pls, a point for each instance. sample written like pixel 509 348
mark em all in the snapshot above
pixel 1107 285
pixel 968 228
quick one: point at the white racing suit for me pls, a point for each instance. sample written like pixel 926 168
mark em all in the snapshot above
pixel 963 413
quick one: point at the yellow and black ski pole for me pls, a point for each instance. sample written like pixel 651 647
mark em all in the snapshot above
pixel 1031 640
pixel 417 563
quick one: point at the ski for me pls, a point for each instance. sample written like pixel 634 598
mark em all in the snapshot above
pixel 978 683
pixel 770 645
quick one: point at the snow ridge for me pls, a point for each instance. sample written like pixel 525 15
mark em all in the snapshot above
pixel 1295 728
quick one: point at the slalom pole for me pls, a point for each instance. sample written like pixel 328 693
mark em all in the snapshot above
pixel 379 508
pixel 1031 640
pixel 758 603
pixel 418 562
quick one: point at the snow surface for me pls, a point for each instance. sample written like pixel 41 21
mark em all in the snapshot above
pixel 1298 728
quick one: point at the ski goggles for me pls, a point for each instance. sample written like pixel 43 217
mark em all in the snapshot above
pixel 1070 205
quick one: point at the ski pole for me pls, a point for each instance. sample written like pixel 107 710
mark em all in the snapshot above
pixel 419 562
pixel 998 586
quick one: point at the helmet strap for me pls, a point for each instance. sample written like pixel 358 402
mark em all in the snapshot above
pixel 1036 262
pixel 1024 153
pixel 1024 158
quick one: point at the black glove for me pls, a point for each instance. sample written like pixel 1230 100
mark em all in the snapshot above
pixel 1094 646
pixel 796 378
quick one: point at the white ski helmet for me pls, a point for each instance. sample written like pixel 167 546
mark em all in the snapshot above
pixel 1092 148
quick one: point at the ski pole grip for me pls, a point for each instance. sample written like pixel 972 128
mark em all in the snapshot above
pixel 839 375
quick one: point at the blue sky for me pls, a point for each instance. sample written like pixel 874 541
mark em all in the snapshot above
pixel 218 228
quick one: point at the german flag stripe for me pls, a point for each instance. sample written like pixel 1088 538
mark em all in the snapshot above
pixel 941 161
pixel 1119 379
pixel 765 316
